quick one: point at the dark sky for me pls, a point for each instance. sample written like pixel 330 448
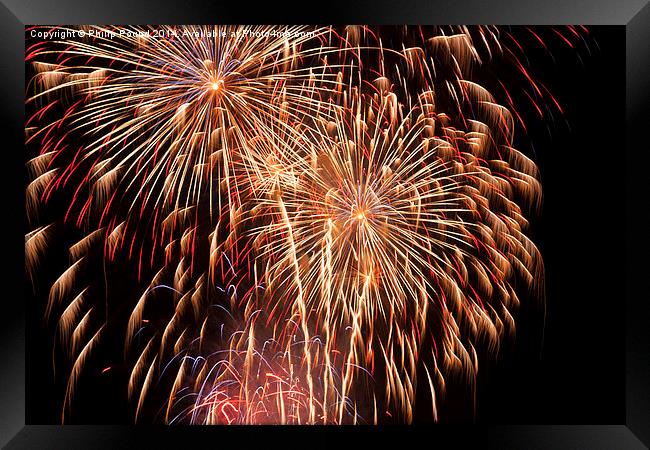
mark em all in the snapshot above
pixel 569 371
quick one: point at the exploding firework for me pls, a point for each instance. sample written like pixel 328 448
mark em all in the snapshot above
pixel 330 224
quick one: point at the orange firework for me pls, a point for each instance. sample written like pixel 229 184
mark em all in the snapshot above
pixel 329 224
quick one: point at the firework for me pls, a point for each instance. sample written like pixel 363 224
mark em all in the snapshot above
pixel 328 224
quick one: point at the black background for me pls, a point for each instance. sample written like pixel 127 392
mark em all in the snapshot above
pixel 579 374
pixel 575 374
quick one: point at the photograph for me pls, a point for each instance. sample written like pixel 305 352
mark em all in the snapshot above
pixel 313 225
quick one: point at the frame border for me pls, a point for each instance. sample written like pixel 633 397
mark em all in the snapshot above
pixel 634 14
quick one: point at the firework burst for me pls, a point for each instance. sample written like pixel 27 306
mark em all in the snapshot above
pixel 330 224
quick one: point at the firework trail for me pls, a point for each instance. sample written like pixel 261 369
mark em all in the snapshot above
pixel 330 223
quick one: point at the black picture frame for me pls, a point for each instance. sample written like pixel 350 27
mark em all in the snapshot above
pixel 634 433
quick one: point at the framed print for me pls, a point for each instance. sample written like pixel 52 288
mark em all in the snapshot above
pixel 369 224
